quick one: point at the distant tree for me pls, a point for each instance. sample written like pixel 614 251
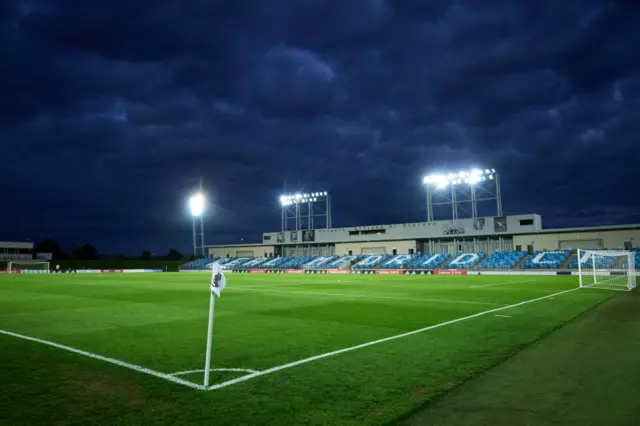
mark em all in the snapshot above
pixel 146 255
pixel 86 252
pixel 51 246
pixel 174 255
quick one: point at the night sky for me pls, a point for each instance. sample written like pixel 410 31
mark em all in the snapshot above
pixel 111 110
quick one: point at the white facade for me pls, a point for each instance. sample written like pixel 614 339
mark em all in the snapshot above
pixel 16 250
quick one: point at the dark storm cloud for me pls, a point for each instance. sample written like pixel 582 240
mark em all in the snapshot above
pixel 110 111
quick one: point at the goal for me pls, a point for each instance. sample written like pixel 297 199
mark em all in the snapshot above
pixel 27 267
pixel 608 269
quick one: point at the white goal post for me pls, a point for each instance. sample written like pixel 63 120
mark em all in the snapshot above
pixel 608 269
pixel 28 267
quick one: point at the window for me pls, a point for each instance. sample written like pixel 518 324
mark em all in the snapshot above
pixel 526 222
pixel 354 232
pixel 267 237
pixel 410 251
pixel 374 232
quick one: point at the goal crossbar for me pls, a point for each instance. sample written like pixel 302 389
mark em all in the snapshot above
pixel 608 269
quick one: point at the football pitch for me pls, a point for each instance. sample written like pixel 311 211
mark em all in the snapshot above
pixel 287 349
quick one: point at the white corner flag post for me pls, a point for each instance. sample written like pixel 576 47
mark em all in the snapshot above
pixel 218 282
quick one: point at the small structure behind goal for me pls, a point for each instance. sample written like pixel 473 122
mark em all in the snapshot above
pixel 608 269
pixel 27 267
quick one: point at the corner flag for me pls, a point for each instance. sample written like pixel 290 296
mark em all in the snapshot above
pixel 218 283
pixel 218 280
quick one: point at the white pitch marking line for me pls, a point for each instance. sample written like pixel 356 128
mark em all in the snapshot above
pixel 239 370
pixel 503 316
pixel 360 296
pixel 508 282
pixel 375 342
pixel 106 359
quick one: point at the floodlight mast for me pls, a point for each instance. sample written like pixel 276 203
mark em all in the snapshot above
pixel 197 204
pixel 304 208
pixel 470 181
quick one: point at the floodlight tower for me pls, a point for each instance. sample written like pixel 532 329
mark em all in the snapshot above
pixel 468 183
pixel 197 204
pixel 304 209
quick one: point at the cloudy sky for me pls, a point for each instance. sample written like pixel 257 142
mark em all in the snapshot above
pixel 111 110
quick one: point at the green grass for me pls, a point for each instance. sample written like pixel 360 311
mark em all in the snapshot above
pixel 159 321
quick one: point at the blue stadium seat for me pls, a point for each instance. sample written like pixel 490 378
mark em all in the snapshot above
pixel 254 263
pixel 464 260
pixel 503 260
pixel 372 261
pixel 319 262
pixel 202 263
pixel 398 262
pixel 339 261
pixel 274 263
pixel 237 262
pixel 546 259
pixel 296 262
pixel 429 261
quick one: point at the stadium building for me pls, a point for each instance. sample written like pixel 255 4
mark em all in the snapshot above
pixel 494 241
pixel 480 235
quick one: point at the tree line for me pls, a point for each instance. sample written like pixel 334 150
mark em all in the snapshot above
pixel 89 252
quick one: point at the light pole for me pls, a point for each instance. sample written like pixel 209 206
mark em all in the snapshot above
pixel 197 204
pixel 475 180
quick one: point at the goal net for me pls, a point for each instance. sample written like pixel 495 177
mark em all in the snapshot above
pixel 609 269
pixel 27 267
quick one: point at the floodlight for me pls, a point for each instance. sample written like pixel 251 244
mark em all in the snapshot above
pixel 493 170
pixel 490 177
pixel 476 172
pixel 474 179
pixel 197 204
pixel 298 196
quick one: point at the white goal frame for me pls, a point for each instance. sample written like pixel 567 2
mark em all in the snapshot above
pixel 607 269
pixel 32 266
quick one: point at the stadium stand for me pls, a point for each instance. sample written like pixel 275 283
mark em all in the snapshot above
pixel 254 263
pixel 372 261
pixel 429 261
pixel 503 260
pixel 336 263
pixel 296 262
pixel 319 262
pixel 546 259
pixel 237 262
pixel 465 260
pixel 202 263
pixel 398 262
pixel 275 263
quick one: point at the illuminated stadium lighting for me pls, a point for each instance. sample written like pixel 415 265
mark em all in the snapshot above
pixel 300 198
pixel 468 177
pixel 197 204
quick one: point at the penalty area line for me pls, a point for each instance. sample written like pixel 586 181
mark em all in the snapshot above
pixel 375 342
pixel 124 364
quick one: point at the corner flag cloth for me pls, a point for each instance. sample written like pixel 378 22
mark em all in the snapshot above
pixel 218 280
